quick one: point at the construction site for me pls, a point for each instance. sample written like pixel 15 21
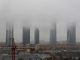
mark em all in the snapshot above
pixel 39 52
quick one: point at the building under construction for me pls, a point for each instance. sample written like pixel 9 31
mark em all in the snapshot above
pixel 9 34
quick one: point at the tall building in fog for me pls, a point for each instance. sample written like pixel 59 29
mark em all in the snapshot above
pixel 71 35
pixel 9 34
pixel 26 35
pixel 53 37
pixel 36 36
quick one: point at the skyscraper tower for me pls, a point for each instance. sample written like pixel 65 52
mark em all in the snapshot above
pixel 9 34
pixel 71 35
pixel 36 36
pixel 53 35
pixel 26 35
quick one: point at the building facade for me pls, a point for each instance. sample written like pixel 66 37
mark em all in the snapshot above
pixel 53 36
pixel 71 35
pixel 36 36
pixel 26 35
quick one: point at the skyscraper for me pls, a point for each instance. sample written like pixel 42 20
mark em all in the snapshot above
pixel 53 35
pixel 71 35
pixel 36 36
pixel 9 34
pixel 26 35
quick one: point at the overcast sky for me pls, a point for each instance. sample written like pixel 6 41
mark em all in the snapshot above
pixel 39 13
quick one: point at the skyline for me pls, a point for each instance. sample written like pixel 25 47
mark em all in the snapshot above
pixel 39 13
pixel 27 31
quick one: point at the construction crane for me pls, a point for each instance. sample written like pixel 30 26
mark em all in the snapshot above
pixel 13 49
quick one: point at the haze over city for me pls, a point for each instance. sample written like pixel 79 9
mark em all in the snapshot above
pixel 41 14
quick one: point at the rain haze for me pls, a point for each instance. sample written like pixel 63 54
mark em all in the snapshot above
pixel 41 14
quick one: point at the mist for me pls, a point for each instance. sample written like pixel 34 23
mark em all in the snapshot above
pixel 41 14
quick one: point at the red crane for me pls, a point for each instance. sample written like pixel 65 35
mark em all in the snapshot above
pixel 13 49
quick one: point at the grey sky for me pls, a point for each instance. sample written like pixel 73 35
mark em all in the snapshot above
pixel 39 13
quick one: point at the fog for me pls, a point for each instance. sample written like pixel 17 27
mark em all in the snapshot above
pixel 41 14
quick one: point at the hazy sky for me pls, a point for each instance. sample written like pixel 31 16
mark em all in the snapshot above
pixel 39 13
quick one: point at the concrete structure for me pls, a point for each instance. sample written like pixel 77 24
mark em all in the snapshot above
pixel 53 35
pixel 36 36
pixel 26 35
pixel 9 34
pixel 71 35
